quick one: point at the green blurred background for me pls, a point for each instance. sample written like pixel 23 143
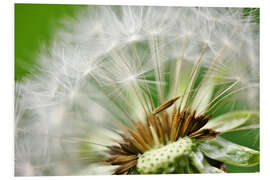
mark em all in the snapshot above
pixel 35 25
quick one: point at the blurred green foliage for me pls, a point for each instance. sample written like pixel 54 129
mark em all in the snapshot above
pixel 35 25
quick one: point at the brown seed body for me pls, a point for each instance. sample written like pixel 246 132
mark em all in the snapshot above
pixel 164 128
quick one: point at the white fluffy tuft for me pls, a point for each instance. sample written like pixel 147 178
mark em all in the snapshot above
pixel 112 65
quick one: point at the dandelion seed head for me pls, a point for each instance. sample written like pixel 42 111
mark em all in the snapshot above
pixel 117 77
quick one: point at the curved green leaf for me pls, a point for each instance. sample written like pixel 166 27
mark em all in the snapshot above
pixel 228 152
pixel 231 121
pixel 201 164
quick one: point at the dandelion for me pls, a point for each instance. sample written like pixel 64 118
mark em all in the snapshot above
pixel 141 90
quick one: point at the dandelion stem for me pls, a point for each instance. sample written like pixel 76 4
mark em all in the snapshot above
pixel 156 54
pixel 178 68
pixel 194 72
pixel 143 76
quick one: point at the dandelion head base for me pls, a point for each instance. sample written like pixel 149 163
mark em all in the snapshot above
pixel 162 133
pixel 162 160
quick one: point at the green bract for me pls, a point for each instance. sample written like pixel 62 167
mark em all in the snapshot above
pixel 231 121
pixel 199 161
pixel 228 152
